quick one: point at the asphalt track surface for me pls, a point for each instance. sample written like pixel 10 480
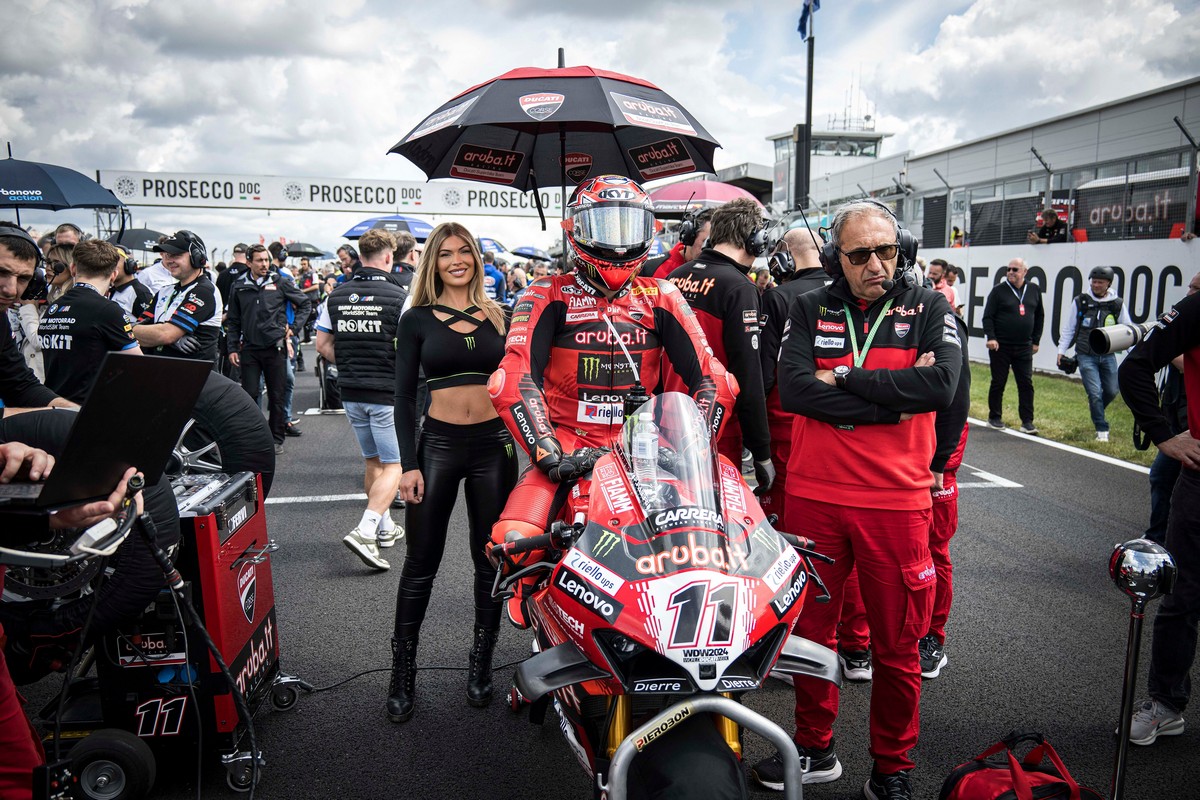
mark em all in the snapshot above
pixel 1036 640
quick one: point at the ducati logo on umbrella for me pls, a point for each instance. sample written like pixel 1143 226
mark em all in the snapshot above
pixel 541 106
pixel 578 165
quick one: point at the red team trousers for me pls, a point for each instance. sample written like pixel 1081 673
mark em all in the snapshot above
pixel 854 635
pixel 891 552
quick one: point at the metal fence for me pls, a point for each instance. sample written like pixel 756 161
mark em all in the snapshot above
pixel 1151 196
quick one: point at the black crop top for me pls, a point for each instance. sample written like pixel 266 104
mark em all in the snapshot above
pixel 447 357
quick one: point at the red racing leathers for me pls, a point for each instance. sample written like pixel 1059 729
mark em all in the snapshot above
pixel 562 382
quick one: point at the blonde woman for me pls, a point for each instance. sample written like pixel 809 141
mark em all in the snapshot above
pixel 455 334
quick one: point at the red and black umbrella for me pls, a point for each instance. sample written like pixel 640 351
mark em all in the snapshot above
pixel 533 127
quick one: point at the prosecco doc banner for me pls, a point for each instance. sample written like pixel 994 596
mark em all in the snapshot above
pixel 266 192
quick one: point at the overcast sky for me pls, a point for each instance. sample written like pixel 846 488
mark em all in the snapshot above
pixel 320 88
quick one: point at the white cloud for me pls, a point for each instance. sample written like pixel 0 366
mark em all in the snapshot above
pixel 313 88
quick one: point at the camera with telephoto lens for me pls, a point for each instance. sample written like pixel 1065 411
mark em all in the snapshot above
pixel 1115 338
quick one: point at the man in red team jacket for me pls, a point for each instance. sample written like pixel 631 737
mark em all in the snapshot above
pixel 866 362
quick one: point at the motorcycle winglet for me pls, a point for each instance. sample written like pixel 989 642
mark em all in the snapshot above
pixel 561 666
pixel 801 656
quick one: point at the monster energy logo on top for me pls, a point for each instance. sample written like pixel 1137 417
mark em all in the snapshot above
pixel 605 545
pixel 604 371
pixel 470 340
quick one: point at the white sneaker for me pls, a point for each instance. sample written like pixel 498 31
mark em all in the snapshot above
pixel 366 548
pixel 1101 436
pixel 1151 720
pixel 390 536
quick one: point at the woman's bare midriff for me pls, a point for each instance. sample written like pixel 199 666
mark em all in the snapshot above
pixel 461 405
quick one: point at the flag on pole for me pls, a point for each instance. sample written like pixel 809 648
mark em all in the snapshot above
pixel 810 7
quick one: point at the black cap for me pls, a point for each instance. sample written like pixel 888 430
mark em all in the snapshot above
pixel 241 247
pixel 178 242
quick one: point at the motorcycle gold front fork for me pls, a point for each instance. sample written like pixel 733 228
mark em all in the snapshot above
pixel 621 723
pixel 729 730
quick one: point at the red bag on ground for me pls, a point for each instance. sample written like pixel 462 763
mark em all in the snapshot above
pixel 988 778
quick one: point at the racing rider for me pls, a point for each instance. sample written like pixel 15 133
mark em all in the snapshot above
pixel 562 383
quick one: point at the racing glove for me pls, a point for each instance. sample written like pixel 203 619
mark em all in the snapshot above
pixel 764 475
pixel 574 466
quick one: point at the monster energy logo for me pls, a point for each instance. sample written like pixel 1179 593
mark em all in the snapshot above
pixel 591 367
pixel 470 342
pixel 605 545
pixel 508 448
pixel 765 538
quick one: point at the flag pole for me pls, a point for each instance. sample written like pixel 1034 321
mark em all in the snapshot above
pixel 808 113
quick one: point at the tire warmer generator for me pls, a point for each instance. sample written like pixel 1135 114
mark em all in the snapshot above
pixel 150 684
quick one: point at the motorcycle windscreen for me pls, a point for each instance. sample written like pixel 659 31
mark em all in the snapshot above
pixel 667 452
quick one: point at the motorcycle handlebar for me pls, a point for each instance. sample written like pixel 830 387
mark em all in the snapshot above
pixel 805 546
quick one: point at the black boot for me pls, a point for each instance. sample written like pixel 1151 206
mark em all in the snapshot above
pixel 479 676
pixel 404 679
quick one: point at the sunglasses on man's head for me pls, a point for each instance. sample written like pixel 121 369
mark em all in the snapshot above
pixel 886 252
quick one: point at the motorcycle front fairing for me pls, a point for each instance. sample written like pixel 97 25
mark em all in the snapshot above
pixel 677 584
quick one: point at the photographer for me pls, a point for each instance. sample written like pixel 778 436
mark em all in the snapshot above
pixel 1173 648
pixel 1096 308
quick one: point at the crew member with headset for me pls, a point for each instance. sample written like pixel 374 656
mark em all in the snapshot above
pixel 22 277
pixel 796 264
pixel 133 296
pixel 1173 647
pixel 693 233
pixel 717 287
pixel 185 320
pixel 256 325
pixel 865 364
pixel 83 324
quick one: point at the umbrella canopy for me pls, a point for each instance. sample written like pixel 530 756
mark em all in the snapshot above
pixel 532 252
pixel 303 249
pixel 29 184
pixel 138 239
pixel 395 223
pixel 676 199
pixel 487 245
pixel 539 127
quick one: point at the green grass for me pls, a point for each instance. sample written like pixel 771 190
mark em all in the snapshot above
pixel 1061 413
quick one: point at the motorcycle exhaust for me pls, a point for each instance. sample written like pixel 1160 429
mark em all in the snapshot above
pixel 1144 571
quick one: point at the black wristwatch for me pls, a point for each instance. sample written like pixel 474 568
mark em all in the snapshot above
pixel 839 375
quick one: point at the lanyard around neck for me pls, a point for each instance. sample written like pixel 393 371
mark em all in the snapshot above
pixel 1020 297
pixel 859 358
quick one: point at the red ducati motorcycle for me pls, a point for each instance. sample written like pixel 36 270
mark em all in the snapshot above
pixel 663 597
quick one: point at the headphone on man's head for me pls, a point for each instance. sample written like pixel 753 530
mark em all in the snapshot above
pixel 689 229
pixel 907 255
pixel 38 285
pixel 781 262
pixel 349 248
pixel 757 242
pixel 196 250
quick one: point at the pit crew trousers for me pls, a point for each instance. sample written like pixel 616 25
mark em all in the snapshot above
pixel 897 576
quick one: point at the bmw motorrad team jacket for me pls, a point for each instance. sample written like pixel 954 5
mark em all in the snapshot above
pixel 257 311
